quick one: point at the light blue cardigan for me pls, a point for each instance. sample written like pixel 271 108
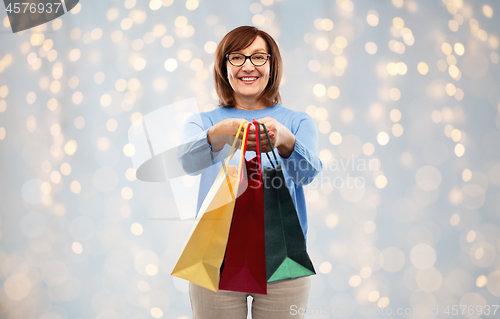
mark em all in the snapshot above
pixel 196 155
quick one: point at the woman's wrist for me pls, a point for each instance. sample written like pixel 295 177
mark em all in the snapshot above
pixel 286 147
pixel 213 140
pixel 221 133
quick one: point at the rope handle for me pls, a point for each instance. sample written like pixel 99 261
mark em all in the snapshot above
pixel 243 149
pixel 257 129
pixel 271 145
pixel 231 154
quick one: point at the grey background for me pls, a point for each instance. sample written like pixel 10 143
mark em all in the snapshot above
pixel 429 237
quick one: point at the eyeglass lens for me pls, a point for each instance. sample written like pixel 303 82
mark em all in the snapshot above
pixel 238 59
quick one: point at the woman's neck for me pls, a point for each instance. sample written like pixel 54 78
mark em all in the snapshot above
pixel 249 105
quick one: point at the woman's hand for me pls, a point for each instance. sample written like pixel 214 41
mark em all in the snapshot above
pixel 281 137
pixel 252 138
pixel 224 132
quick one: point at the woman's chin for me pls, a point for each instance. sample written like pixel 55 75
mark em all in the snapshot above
pixel 248 94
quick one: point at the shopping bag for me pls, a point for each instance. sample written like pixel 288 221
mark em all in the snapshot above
pixel 244 265
pixel 203 252
pixel 286 255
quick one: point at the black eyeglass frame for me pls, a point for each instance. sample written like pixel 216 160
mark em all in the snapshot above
pixel 249 57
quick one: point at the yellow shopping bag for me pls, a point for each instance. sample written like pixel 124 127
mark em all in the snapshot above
pixel 203 253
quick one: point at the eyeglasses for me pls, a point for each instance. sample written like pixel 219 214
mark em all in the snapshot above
pixel 238 59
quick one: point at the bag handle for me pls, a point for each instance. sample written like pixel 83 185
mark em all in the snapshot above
pixel 257 129
pixel 244 146
pixel 243 149
pixel 231 153
pixel 271 145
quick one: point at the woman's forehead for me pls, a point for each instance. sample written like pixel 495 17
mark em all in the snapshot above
pixel 253 51
pixel 258 45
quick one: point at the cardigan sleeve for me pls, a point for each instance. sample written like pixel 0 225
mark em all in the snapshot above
pixel 195 154
pixel 304 163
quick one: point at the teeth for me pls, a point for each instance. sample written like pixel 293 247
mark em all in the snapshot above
pixel 249 79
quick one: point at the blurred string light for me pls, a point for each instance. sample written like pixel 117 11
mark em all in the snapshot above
pixel 400 68
pixel 93 80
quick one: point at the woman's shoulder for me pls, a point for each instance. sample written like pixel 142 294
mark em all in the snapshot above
pixel 293 114
pixel 206 117
pixel 294 120
pixel 214 112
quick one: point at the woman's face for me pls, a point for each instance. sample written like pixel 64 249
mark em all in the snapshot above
pixel 248 89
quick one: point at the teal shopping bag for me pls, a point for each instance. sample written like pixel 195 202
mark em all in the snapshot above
pixel 286 254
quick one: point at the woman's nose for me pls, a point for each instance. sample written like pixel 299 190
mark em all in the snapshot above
pixel 248 65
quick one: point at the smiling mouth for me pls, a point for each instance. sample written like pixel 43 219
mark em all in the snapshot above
pixel 249 79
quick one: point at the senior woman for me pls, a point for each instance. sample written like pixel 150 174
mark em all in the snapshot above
pixel 247 75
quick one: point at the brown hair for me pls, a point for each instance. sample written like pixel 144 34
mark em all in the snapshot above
pixel 238 39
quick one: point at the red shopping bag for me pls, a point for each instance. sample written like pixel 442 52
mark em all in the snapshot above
pixel 244 265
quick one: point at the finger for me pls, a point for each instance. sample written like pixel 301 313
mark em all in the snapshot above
pixel 261 128
pixel 254 142
pixel 241 138
pixel 252 132
pixel 242 133
pixel 263 137
pixel 262 133
pixel 265 119
pixel 252 137
pixel 256 137
pixel 269 126
pixel 264 146
pixel 253 146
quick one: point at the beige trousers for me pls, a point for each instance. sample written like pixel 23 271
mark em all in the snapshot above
pixel 283 299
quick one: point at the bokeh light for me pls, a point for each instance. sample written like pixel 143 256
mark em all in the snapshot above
pixel 404 213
